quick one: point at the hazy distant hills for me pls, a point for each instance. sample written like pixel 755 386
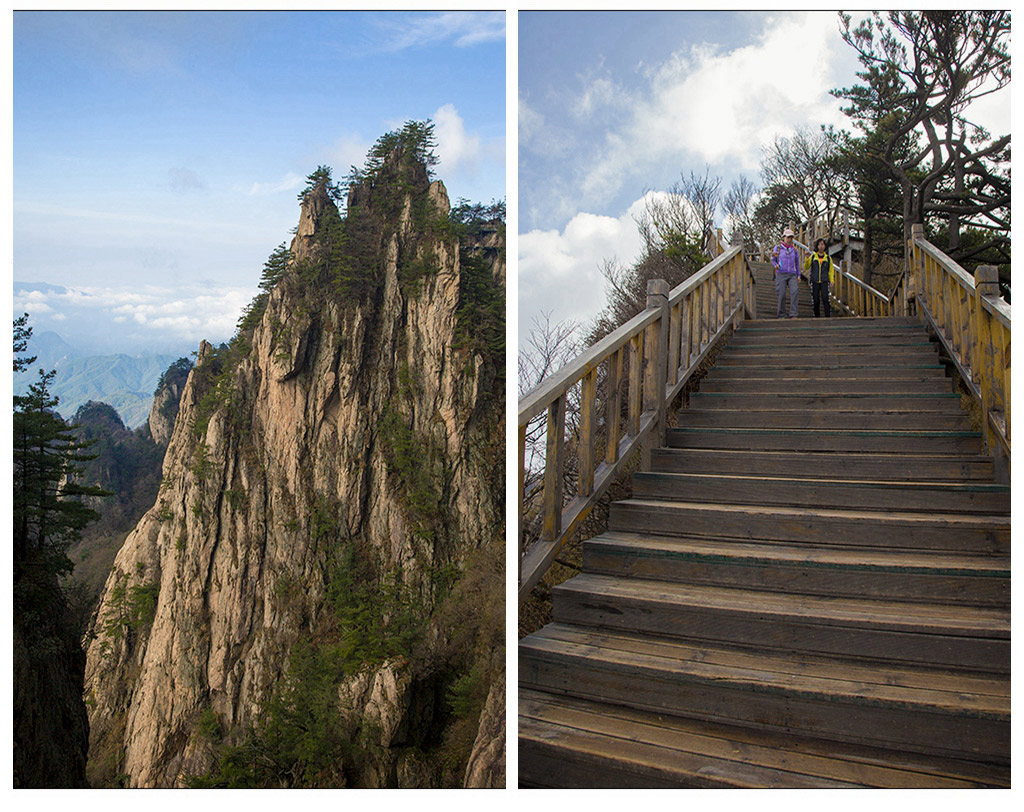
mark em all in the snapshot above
pixel 125 382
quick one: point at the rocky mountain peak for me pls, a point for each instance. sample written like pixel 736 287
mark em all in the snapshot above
pixel 317 211
pixel 330 523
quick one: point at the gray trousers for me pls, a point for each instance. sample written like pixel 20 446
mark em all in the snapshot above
pixel 782 281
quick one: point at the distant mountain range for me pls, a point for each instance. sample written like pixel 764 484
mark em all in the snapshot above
pixel 123 381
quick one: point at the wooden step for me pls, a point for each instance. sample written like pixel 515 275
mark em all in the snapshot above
pixel 917 710
pixel 895 575
pixel 834 361
pixel 878 340
pixel 868 494
pixel 934 402
pixel 893 324
pixel 934 635
pixel 860 440
pixel 828 374
pixel 782 417
pixel 824 385
pixel 831 326
pixel 569 742
pixel 950 532
pixel 835 465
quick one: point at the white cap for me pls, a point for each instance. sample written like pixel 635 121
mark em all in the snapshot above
pixel 788 233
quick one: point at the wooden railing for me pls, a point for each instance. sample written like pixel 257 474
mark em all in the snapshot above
pixel 858 298
pixel 973 324
pixel 647 361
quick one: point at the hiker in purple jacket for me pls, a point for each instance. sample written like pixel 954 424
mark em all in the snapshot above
pixel 786 262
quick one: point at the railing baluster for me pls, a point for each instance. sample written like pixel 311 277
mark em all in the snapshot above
pixel 522 493
pixel 686 332
pixel 613 407
pixel 635 383
pixel 553 469
pixel 673 343
pixel 588 429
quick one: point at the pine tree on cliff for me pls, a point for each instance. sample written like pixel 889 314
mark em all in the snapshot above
pixel 50 726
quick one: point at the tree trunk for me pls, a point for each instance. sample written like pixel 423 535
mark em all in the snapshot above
pixel 866 258
pixel 954 218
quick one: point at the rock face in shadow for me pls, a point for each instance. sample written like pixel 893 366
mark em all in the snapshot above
pixel 331 517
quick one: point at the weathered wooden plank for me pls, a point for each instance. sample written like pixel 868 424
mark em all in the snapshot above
pixel 825 374
pixel 809 756
pixel 554 467
pixel 835 386
pixel 777 567
pixel 926 722
pixel 946 403
pixel 852 465
pixel 951 532
pixel 613 407
pixel 821 418
pixel 587 452
pixel 865 675
pixel 635 384
pixel 862 440
pixel 908 633
pixel 787 491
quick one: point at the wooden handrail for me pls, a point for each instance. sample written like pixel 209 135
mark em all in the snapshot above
pixel 973 323
pixel 858 298
pixel 646 361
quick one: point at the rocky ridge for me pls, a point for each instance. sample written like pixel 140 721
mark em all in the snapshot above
pixel 330 473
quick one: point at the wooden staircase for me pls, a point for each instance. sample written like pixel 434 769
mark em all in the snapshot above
pixel 809 589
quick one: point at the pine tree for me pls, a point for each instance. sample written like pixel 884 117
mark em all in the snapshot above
pixel 275 266
pixel 50 724
pixel 48 513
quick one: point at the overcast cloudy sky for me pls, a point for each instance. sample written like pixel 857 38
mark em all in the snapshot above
pixel 157 156
pixel 616 104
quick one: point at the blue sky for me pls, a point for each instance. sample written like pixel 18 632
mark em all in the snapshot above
pixel 158 156
pixel 613 105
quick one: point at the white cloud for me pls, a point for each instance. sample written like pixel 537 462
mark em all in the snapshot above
pixel 287 183
pixel 456 148
pixel 598 93
pixel 720 106
pixel 168 315
pixel 463 28
pixel 560 272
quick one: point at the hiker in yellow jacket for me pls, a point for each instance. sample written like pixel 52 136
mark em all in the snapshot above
pixel 822 273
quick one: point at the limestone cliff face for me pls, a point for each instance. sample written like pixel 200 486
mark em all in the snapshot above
pixel 354 422
pixel 164 410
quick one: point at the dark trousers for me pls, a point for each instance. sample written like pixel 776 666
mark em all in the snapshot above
pixel 819 290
